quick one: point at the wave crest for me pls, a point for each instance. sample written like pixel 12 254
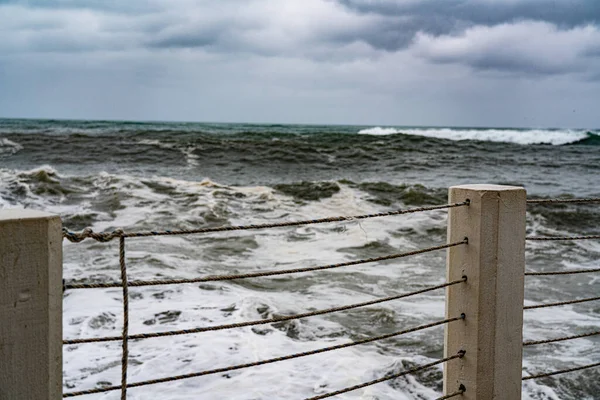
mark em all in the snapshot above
pixel 8 147
pixel 523 137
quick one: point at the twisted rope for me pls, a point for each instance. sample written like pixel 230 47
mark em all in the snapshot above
pixel 562 303
pixel 263 321
pixel 575 271
pixel 460 354
pixel 125 354
pixel 108 236
pixel 563 237
pixel 541 201
pixel 531 343
pixel 258 274
pixel 461 390
pixel 263 362
pixel 89 233
pixel 564 371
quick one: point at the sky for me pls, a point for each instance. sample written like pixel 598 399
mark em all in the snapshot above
pixel 523 63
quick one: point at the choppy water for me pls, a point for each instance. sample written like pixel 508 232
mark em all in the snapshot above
pixel 151 176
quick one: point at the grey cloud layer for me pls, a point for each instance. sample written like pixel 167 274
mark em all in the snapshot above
pixel 567 13
pixel 526 36
pixel 535 48
pixel 418 55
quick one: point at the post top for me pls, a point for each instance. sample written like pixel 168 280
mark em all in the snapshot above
pixel 12 214
pixel 482 187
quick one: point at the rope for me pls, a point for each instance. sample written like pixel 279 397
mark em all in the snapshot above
pixel 268 361
pixel 563 237
pixel 89 233
pixel 258 274
pixel 562 303
pixel 531 343
pixel 263 321
pixel 460 354
pixel 125 355
pixel 564 371
pixel 541 201
pixel 461 390
pixel 108 236
pixel 575 271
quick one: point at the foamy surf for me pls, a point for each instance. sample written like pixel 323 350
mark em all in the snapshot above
pixel 147 176
pixel 8 147
pixel 523 137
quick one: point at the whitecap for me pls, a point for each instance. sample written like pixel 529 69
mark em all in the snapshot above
pixel 9 147
pixel 524 137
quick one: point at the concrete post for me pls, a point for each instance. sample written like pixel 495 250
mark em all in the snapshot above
pixel 30 305
pixel 492 298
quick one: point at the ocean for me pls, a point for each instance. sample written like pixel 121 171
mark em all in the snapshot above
pixel 156 176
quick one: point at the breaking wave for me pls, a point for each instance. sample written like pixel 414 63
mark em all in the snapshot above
pixel 523 137
pixel 8 147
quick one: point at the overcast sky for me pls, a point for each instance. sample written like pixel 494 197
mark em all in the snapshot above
pixel 377 62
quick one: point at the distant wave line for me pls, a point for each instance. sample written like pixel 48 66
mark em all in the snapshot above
pixel 523 137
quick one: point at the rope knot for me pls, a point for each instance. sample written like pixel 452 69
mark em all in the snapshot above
pixel 89 233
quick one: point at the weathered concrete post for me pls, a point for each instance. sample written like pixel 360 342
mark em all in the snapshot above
pixel 492 298
pixel 30 305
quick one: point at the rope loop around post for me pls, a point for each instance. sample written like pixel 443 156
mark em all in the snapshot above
pixel 89 233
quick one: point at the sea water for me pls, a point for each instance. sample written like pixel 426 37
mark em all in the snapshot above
pixel 155 176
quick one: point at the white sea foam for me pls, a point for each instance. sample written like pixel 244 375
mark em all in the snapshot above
pixel 8 147
pixel 99 314
pixel 524 137
pixel 165 203
pixel 187 151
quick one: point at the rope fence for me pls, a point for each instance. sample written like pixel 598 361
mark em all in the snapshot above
pixel 259 274
pixel 269 361
pixel 461 390
pixel 554 273
pixel 531 343
pixel 125 284
pixel 570 272
pixel 563 237
pixel 460 354
pixel 125 332
pixel 267 320
pixel 563 371
pixel 562 303
pixel 108 236
pixel 564 201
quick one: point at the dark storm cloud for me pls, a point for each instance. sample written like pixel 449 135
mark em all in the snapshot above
pixel 451 16
pixel 263 28
pixel 566 13
pixel 527 47
pixel 311 60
